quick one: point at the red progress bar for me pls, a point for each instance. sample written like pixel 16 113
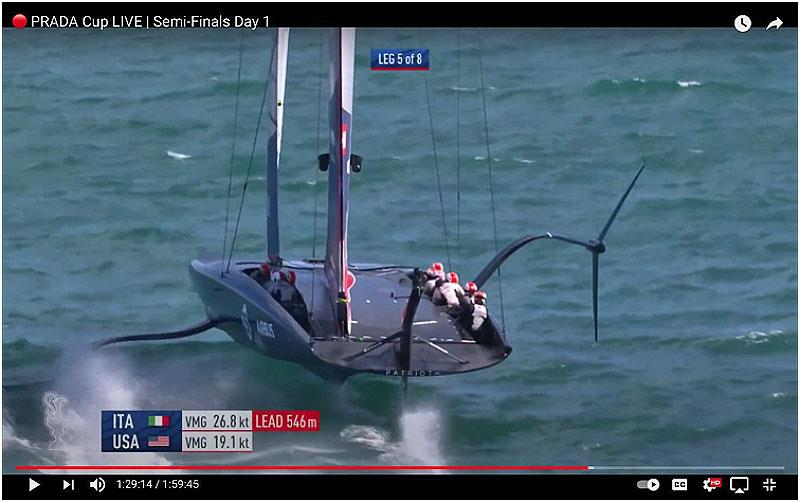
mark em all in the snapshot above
pixel 303 467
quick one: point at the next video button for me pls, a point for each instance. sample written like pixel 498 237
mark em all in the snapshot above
pixel 400 59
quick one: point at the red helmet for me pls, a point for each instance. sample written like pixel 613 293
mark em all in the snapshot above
pixel 438 267
pixel 481 295
pixel 292 277
pixel 452 277
pixel 471 287
pixel 265 268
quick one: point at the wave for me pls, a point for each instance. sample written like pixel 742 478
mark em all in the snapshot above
pixel 246 87
pixel 140 234
pixel 638 85
pixel 177 155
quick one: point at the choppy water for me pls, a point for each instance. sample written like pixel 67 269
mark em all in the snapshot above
pixel 696 363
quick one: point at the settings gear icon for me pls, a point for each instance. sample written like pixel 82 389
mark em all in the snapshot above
pixel 711 484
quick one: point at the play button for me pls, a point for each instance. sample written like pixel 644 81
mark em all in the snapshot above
pixel 32 485
pixel 652 484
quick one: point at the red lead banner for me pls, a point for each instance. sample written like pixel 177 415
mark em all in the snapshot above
pixel 285 421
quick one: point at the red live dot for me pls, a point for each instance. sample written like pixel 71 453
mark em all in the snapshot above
pixel 19 21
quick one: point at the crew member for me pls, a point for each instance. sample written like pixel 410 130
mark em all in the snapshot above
pixel 448 293
pixel 279 288
pixel 465 303
pixel 470 289
pixel 297 298
pixel 261 275
pixel 433 275
pixel 283 289
pixel 479 312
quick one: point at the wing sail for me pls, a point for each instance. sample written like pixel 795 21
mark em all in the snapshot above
pixel 277 92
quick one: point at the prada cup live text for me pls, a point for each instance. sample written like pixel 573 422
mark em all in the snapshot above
pixel 107 22
pixel 88 22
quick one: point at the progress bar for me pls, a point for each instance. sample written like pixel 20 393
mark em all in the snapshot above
pixel 303 467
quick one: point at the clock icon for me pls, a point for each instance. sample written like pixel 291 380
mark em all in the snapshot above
pixel 742 23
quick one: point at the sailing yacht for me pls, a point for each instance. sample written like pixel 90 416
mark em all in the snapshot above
pixel 363 318
pixel 357 324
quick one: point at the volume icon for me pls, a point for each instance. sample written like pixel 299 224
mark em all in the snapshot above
pixel 98 484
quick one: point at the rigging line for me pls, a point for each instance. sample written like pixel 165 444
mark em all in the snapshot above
pixel 317 171
pixel 233 151
pixel 491 177
pixel 438 177
pixel 253 151
pixel 458 138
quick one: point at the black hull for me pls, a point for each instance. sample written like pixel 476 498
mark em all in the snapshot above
pixel 377 302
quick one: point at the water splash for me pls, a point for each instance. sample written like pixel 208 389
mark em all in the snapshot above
pixel 11 439
pixel 94 384
pixel 420 440
pixel 421 435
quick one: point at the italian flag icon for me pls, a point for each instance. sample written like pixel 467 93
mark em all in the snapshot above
pixel 158 421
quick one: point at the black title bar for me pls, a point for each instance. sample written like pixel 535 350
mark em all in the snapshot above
pixel 424 14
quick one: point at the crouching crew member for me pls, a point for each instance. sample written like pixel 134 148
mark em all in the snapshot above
pixel 448 293
pixel 465 303
pixel 479 312
pixel 470 290
pixel 283 289
pixel 261 275
pixel 433 275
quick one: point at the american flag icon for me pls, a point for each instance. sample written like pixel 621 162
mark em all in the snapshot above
pixel 158 441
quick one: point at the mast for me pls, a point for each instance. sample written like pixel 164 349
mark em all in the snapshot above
pixel 340 113
pixel 277 92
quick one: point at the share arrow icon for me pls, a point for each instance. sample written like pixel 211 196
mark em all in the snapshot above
pixel 775 24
